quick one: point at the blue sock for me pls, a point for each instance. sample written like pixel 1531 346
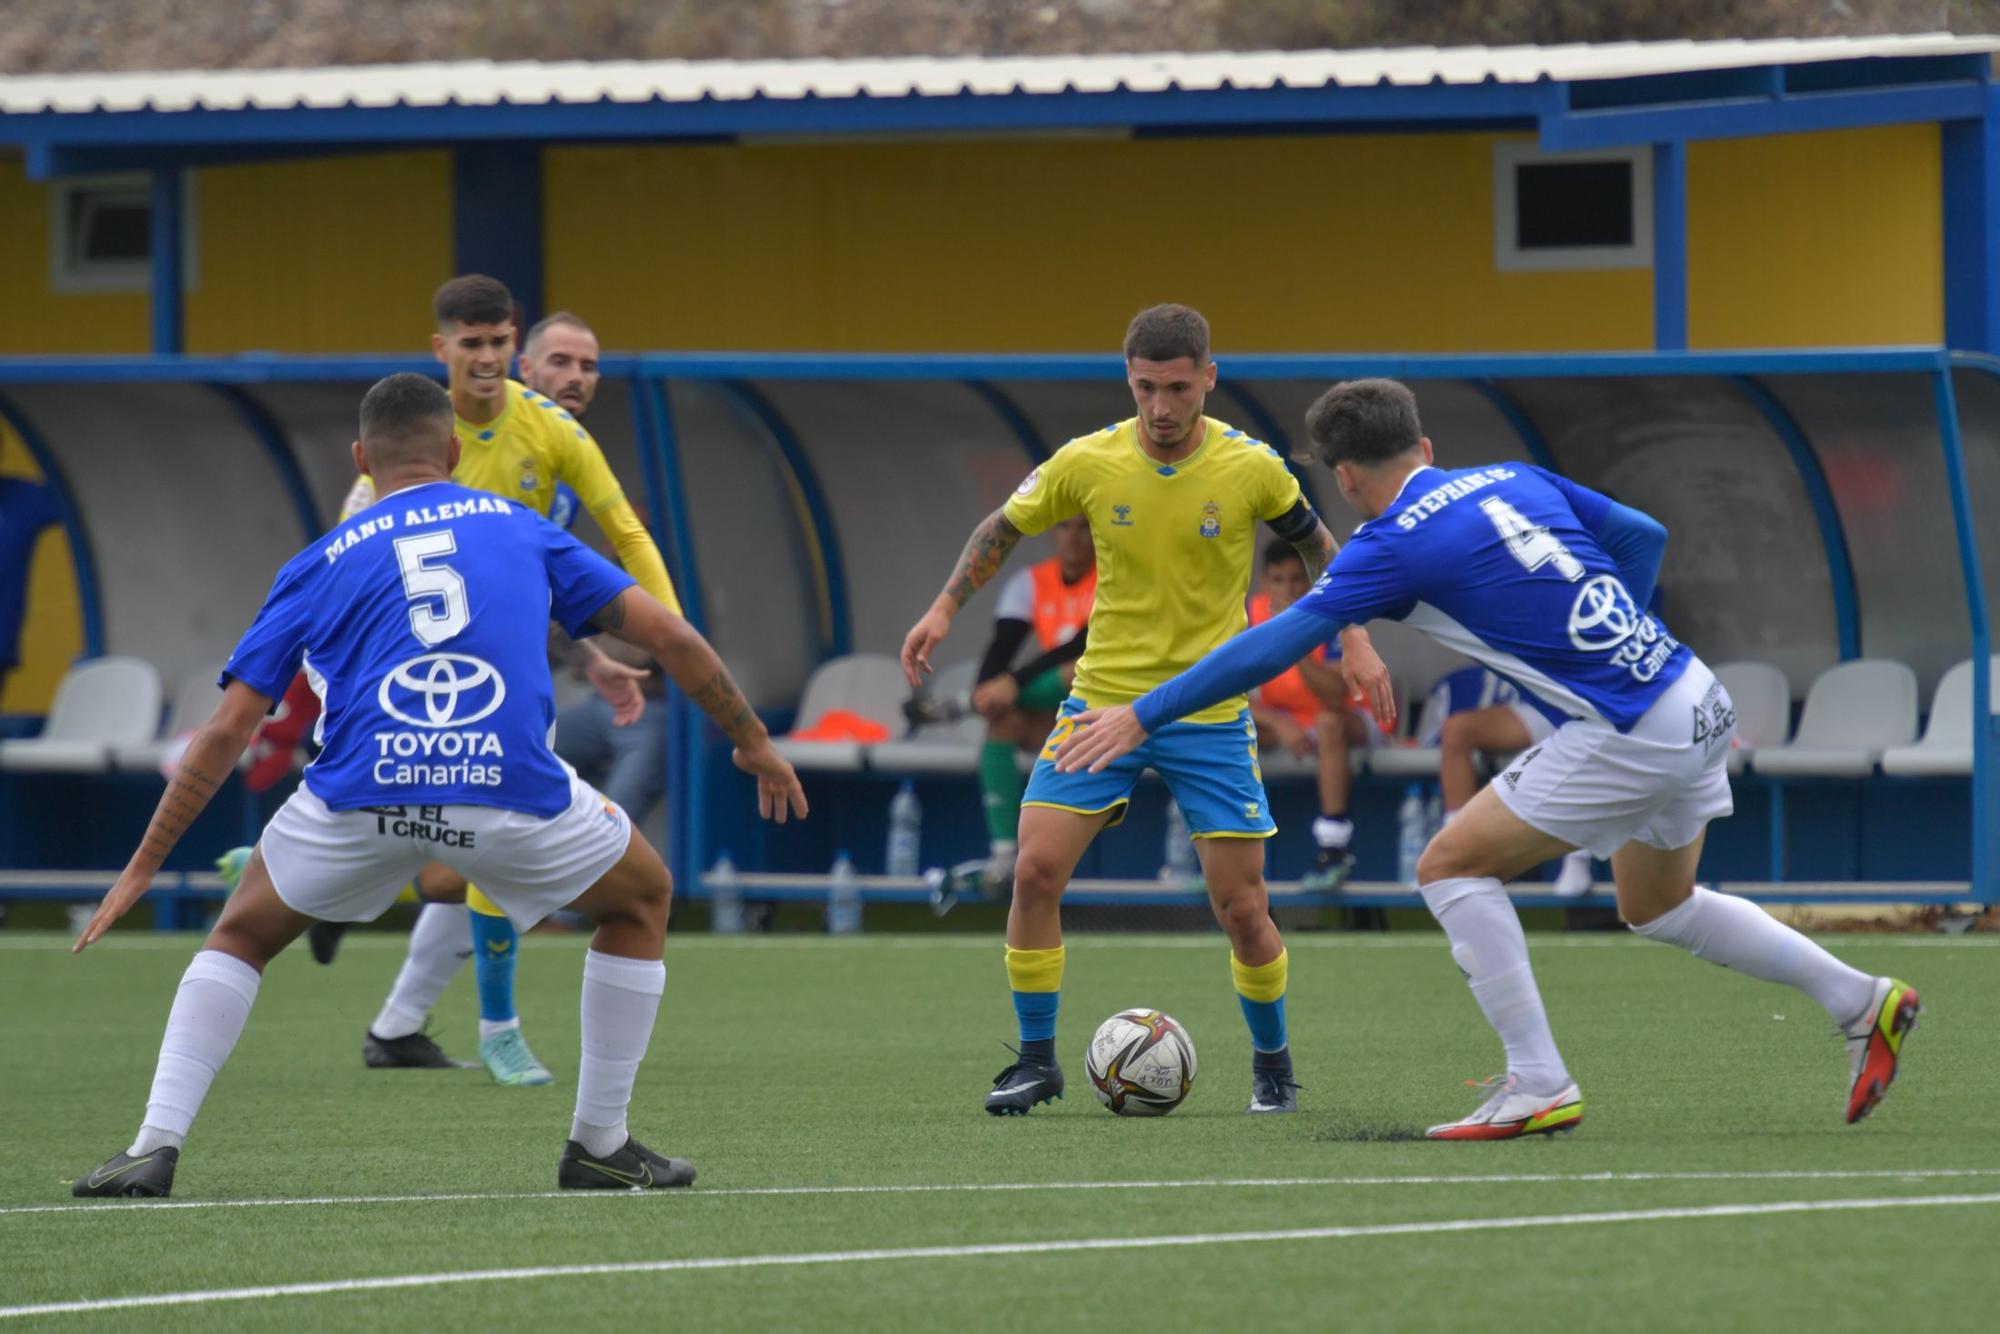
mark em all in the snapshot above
pixel 1267 1023
pixel 1036 1011
pixel 494 941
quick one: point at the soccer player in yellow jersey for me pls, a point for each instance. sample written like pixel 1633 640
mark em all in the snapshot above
pixel 517 442
pixel 1174 499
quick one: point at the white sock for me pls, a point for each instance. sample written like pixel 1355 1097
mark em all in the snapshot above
pixel 1487 945
pixel 440 943
pixel 208 1016
pixel 620 998
pixel 1736 933
pixel 1575 874
pixel 1332 832
pixel 492 1027
pixel 1002 847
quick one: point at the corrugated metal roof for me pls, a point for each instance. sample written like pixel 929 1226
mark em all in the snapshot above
pixel 531 83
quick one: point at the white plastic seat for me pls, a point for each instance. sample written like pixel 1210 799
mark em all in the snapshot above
pixel 937 748
pixel 193 705
pixel 1946 747
pixel 868 684
pixel 1854 712
pixel 1763 699
pixel 101 704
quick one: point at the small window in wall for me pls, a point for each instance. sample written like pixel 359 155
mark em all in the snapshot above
pixel 101 233
pixel 1590 210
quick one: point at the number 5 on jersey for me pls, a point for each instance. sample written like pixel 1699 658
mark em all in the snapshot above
pixel 424 580
pixel 1530 543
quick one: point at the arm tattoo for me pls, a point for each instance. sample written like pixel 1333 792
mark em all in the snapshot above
pixel 1317 551
pixel 610 618
pixel 186 797
pixel 990 545
pixel 719 698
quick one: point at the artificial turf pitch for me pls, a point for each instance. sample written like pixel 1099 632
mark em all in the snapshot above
pixel 817 1066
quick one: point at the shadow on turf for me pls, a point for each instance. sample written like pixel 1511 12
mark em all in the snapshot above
pixel 1355 1132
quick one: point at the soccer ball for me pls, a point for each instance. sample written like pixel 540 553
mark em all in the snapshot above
pixel 1141 1063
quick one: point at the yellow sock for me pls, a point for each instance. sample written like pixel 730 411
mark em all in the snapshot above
pixel 480 904
pixel 1035 970
pixel 1265 982
pixel 1036 976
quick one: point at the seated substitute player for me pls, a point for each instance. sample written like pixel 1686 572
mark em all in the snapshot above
pixel 426 618
pixel 1050 601
pixel 1543 580
pixel 1306 710
pixel 1503 728
pixel 1173 499
pixel 518 443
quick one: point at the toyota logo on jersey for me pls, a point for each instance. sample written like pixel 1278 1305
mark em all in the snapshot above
pixel 448 689
pixel 1603 616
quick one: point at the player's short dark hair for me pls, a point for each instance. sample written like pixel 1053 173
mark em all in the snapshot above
pixel 402 414
pixel 1364 422
pixel 473 298
pixel 1167 333
pixel 562 319
pixel 1278 549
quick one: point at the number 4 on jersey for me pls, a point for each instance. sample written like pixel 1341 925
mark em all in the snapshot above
pixel 1531 544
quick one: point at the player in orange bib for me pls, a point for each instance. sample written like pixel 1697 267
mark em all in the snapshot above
pixel 1312 711
pixel 1050 601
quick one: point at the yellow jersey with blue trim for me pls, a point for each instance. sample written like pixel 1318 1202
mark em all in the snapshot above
pixel 533 444
pixel 1175 548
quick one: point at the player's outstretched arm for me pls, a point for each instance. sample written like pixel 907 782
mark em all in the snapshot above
pixel 637 617
pixel 988 548
pixel 203 769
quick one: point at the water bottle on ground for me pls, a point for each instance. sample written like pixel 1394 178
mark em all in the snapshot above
pixel 906 825
pixel 725 897
pixel 1411 821
pixel 843 898
pixel 1177 861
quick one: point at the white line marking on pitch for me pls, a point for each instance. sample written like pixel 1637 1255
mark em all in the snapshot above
pixel 1448 1179
pixel 203 1298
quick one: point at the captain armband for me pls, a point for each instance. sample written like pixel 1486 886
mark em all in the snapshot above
pixel 1296 524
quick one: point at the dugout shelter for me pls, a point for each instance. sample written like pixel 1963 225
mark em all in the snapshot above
pixel 1779 342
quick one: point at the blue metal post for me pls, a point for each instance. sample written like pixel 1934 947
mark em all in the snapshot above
pixel 1670 286
pixel 1970 150
pixel 278 447
pixel 1529 434
pixel 836 630
pixel 169 278
pixel 1819 494
pixel 1985 792
pixel 665 504
pixel 496 194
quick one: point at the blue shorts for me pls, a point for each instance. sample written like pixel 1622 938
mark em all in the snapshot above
pixel 1211 768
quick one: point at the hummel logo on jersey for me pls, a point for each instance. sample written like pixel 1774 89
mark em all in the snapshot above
pixel 1121 516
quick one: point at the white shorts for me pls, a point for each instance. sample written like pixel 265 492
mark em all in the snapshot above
pixel 1595 787
pixel 349 866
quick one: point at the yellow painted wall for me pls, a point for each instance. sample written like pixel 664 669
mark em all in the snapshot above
pixel 1362 243
pixel 52 628
pixel 1287 244
pixel 1816 239
pixel 331 255
pixel 41 321
pixel 334 255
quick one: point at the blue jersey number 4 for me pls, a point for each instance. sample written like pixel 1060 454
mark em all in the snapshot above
pixel 1530 543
